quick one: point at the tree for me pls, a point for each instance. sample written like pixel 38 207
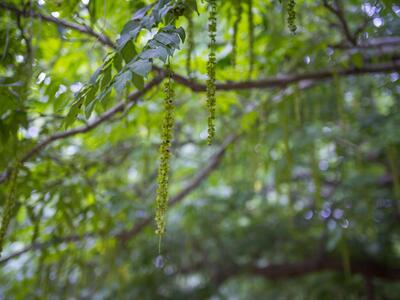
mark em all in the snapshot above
pixel 107 109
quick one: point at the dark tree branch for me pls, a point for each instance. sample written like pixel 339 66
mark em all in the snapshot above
pixel 366 268
pixel 382 42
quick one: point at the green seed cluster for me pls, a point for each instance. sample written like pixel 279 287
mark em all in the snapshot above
pixel 238 8
pixel 211 100
pixel 163 171
pixel 9 206
pixel 291 18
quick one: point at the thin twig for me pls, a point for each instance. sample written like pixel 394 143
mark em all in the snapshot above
pixel 338 12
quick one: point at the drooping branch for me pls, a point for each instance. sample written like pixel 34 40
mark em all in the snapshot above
pixel 128 234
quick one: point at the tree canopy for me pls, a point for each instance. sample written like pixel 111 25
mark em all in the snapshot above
pixel 184 149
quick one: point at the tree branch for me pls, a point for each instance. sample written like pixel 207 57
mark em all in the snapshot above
pixel 366 268
pixel 285 80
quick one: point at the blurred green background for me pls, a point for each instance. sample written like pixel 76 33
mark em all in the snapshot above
pixel 298 197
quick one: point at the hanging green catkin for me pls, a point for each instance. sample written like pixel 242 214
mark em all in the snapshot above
pixel 250 22
pixel 211 101
pixel 190 42
pixel 163 171
pixel 9 205
pixel 291 16
pixel 238 11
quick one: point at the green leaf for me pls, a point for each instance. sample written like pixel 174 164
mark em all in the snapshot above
pixel 128 52
pixel 141 67
pixel 73 112
pixel 121 80
pixel 158 52
pixel 156 44
pixel 192 5
pixel 89 109
pixel 95 75
pixel 141 12
pixel 106 78
pixel 148 22
pixel 138 81
pixel 130 32
pixel 90 100
pixel 168 39
pixel 117 62
pixel 181 33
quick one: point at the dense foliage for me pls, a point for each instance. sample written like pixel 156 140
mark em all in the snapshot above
pixel 273 126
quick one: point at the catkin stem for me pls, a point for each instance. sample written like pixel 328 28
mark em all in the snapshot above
pixel 163 171
pixel 211 100
pixel 291 17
